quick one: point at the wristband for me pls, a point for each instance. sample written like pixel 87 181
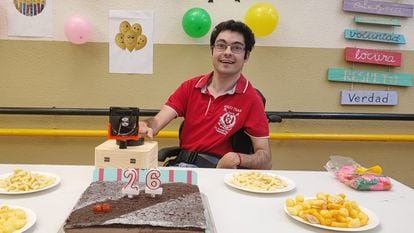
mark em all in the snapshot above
pixel 240 159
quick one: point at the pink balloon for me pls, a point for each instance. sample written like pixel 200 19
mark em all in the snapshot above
pixel 78 29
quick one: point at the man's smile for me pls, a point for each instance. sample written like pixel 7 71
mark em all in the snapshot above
pixel 226 61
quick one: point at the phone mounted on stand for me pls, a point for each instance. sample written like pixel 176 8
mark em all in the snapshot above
pixel 123 126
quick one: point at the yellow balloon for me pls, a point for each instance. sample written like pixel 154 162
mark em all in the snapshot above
pixel 262 18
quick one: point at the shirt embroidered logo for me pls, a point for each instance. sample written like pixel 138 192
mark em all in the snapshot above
pixel 226 122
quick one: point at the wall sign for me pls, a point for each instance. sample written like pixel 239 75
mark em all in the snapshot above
pixel 374 36
pixel 377 21
pixel 372 56
pixel 371 77
pixel 369 98
pixel 378 7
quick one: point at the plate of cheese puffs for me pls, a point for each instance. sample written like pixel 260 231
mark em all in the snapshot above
pixel 332 212
pixel 18 218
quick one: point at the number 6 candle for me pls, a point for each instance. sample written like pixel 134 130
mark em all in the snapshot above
pixel 153 183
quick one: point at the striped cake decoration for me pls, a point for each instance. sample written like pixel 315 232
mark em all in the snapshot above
pixel 167 176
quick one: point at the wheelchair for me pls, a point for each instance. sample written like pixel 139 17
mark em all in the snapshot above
pixel 240 142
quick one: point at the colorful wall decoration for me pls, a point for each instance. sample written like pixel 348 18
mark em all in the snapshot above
pixel 373 57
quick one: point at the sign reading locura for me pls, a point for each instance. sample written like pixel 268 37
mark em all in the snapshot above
pixel 372 56
pixel 383 37
pixel 369 98
pixel 370 77
pixel 378 7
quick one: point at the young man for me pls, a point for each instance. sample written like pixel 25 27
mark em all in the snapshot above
pixel 218 104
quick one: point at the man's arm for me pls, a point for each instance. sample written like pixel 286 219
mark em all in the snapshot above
pixel 152 126
pixel 261 159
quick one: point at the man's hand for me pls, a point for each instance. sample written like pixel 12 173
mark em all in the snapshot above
pixel 229 160
pixel 145 129
pixel 151 126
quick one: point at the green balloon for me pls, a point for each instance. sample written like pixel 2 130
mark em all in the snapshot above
pixel 196 22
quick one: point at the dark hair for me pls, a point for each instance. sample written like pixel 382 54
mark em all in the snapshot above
pixel 235 26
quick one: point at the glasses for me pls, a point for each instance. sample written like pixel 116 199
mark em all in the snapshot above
pixel 235 48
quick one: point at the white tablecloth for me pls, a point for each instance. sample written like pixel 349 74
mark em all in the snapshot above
pixel 233 210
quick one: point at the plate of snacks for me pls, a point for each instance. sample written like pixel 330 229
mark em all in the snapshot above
pixel 332 212
pixel 259 182
pixel 23 182
pixel 18 218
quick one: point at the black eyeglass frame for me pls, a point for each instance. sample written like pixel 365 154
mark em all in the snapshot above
pixel 236 48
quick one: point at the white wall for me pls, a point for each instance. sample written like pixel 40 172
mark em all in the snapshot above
pixel 303 23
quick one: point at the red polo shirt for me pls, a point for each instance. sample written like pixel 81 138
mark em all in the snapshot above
pixel 209 122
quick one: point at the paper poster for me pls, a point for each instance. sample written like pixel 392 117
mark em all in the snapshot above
pixel 131 42
pixel 32 18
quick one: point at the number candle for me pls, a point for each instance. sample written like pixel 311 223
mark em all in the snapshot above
pixel 131 188
pixel 153 183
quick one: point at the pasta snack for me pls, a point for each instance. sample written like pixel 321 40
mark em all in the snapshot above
pixel 23 181
pixel 258 181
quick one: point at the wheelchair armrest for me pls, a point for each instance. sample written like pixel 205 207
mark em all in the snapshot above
pixel 273 118
pixel 167 152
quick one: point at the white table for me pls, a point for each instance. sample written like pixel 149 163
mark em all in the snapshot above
pixel 232 210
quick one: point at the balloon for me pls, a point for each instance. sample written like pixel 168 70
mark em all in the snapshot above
pixel 262 18
pixel 196 22
pixel 78 29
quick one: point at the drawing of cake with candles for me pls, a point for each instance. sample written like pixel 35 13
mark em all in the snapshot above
pixel 29 7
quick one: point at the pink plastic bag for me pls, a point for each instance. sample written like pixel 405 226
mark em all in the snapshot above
pixel 367 181
pixel 344 169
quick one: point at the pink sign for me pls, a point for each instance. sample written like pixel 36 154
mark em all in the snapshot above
pixel 372 56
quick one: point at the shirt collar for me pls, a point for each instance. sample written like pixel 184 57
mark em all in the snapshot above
pixel 240 87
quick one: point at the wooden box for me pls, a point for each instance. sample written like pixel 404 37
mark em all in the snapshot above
pixel 108 154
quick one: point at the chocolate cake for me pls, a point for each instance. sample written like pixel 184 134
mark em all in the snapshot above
pixel 178 209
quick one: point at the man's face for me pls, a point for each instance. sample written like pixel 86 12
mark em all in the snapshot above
pixel 230 59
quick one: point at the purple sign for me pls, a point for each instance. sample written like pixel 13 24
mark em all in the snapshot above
pixel 378 7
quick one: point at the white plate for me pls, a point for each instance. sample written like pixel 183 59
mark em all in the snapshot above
pixel 31 217
pixel 373 221
pixel 57 181
pixel 290 184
